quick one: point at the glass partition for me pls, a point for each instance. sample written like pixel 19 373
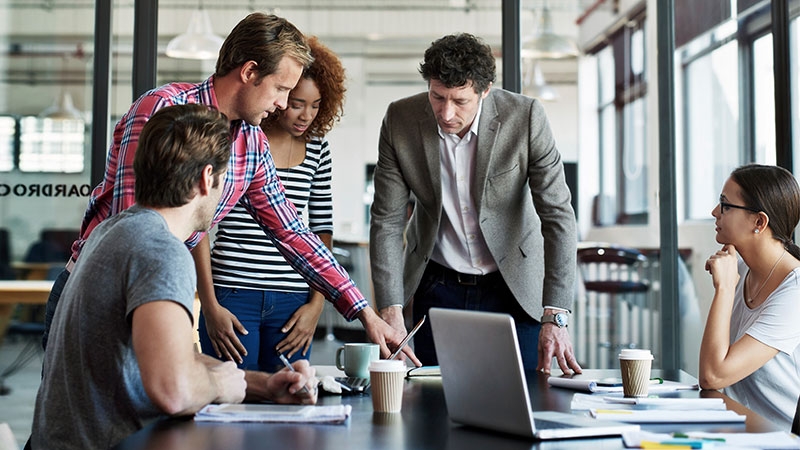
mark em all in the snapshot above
pixel 46 61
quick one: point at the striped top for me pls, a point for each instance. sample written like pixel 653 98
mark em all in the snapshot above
pixel 243 257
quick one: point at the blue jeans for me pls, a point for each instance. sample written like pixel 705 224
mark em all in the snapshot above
pixel 52 302
pixel 263 314
pixel 440 287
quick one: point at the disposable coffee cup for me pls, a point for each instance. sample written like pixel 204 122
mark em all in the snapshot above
pixel 386 379
pixel 635 366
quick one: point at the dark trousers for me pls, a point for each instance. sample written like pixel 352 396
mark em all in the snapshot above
pixel 445 288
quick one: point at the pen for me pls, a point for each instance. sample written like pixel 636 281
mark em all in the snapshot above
pixel 304 389
pixel 659 445
pixel 684 435
pixel 408 338
pixel 689 443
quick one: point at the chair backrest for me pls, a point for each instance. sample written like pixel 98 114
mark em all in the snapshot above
pixel 796 422
pixel 611 269
pixel 54 245
pixel 6 273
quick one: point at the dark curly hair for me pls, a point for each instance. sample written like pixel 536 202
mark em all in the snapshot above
pixel 327 73
pixel 457 59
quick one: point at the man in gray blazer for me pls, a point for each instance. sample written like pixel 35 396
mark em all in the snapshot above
pixel 492 228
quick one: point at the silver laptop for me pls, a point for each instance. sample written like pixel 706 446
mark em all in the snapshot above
pixel 484 382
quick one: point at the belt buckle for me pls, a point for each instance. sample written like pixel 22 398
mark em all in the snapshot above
pixel 466 279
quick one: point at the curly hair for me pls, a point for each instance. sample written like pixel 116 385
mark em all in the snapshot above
pixel 457 59
pixel 327 73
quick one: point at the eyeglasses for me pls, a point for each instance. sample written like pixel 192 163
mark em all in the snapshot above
pixel 724 205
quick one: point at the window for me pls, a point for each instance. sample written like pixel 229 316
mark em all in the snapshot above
pixel 712 126
pixel 763 101
pixel 51 145
pixel 729 118
pixel 622 120
pixel 794 38
pixel 8 136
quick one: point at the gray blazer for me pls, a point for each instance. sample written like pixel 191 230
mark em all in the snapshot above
pixel 519 189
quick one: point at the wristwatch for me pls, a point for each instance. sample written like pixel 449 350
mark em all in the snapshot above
pixel 560 319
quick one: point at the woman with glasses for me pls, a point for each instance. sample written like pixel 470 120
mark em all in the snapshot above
pixel 751 343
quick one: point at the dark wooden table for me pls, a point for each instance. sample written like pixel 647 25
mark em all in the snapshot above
pixel 423 424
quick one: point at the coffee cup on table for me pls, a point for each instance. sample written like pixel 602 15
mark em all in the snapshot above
pixel 354 358
pixel 635 365
pixel 386 379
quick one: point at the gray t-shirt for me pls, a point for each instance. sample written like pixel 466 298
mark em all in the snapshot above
pixel 92 396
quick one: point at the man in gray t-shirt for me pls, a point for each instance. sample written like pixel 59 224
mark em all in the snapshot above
pixel 124 352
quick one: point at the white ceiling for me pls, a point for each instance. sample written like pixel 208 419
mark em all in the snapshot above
pixel 389 35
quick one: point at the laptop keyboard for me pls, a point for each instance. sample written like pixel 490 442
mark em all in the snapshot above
pixel 353 384
pixel 550 425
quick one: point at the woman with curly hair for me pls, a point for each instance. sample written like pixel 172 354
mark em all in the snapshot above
pixel 261 304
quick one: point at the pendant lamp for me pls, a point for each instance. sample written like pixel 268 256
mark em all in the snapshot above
pixel 198 42
pixel 546 44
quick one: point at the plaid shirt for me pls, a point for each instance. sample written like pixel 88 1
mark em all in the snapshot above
pixel 251 178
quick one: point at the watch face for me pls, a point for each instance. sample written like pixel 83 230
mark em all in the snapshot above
pixel 560 319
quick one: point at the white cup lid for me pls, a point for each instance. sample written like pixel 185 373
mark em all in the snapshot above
pixel 635 353
pixel 387 365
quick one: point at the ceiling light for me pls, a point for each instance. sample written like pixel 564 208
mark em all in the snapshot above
pixel 546 44
pixel 534 84
pixel 199 41
pixel 62 108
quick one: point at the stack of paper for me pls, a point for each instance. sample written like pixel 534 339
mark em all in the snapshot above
pixel 586 402
pixel 655 410
pixel 227 412
pixel 667 416
pixel 590 385
pixel 774 440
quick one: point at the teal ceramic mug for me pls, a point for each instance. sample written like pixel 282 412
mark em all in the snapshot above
pixel 354 358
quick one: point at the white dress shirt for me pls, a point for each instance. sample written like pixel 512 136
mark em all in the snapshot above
pixel 460 244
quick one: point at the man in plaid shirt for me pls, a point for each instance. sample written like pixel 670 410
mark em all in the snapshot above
pixel 259 63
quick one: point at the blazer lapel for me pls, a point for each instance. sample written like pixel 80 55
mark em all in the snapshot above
pixel 488 127
pixel 429 135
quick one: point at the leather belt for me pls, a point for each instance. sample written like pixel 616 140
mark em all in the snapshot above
pixel 465 279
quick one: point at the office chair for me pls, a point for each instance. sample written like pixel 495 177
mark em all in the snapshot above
pixel 796 421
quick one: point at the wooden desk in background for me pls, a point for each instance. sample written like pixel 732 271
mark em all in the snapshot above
pixel 34 271
pixel 14 292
